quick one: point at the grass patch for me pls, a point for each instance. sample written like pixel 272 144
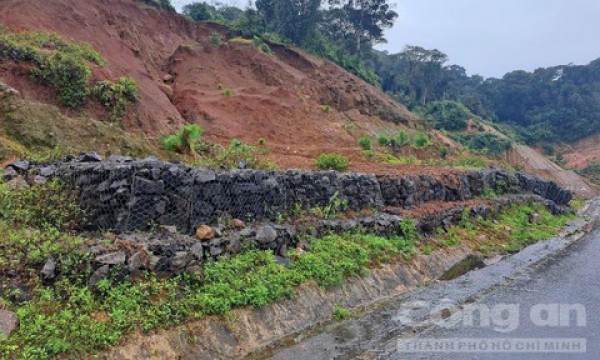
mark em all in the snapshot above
pixel 508 232
pixel 70 318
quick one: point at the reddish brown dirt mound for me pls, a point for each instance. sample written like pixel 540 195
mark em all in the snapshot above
pixel 276 97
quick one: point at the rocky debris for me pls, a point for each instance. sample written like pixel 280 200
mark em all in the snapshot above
pixel 115 258
pixel 19 165
pixel 9 174
pixel 168 78
pixel 266 234
pixel 90 157
pixel 49 270
pixel 8 323
pixel 239 224
pixel 46 171
pixel 168 252
pixel 205 232
pixel 99 274
pixel 534 218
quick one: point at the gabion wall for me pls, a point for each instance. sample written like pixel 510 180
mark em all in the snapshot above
pixel 124 195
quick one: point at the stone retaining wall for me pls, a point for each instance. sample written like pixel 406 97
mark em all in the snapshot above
pixel 124 195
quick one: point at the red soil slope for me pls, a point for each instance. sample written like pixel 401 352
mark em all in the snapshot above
pixel 276 97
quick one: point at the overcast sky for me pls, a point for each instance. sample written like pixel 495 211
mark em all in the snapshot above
pixel 492 37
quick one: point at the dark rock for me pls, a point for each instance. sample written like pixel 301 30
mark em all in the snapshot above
pixel 180 260
pixel 8 323
pixel 142 186
pixel 101 273
pixel 47 171
pixel 137 261
pixel 90 157
pixel 115 258
pixel 119 159
pixel 9 174
pixel 198 251
pixel 266 234
pixel 163 265
pixel 20 165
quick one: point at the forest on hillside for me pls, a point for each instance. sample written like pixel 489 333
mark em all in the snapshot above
pixel 550 105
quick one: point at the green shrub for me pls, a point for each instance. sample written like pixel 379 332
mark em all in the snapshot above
pixel 484 143
pixel 443 152
pixel 422 140
pixel 215 39
pixel 332 161
pixel 365 142
pixel 161 4
pixel 239 153
pixel 65 67
pixel 68 74
pixel 326 108
pixel 383 140
pixel 400 140
pixel 227 92
pixel 184 142
pixel 341 313
pixel 115 97
pixel 448 115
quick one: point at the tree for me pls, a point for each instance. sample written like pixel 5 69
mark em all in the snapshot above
pixel 292 19
pixel 202 11
pixel 362 20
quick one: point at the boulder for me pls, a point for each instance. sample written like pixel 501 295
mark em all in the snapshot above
pixel 49 271
pixel 90 157
pixel 205 232
pixel 114 258
pixel 8 323
pixel 9 174
pixel 266 234
pixel 237 223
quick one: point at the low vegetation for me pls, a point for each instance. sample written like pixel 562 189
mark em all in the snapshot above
pixel 365 142
pixel 189 141
pixel 332 161
pixel 66 67
pixel 68 318
pixel 509 232
pixel 484 143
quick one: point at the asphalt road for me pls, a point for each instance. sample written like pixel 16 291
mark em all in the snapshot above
pixel 556 298
pixel 572 277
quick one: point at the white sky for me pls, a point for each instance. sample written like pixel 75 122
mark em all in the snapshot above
pixel 492 37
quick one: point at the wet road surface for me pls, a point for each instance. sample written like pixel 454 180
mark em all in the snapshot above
pixel 558 298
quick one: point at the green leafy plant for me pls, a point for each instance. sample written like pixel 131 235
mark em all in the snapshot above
pixel 239 153
pixel 400 140
pixel 115 97
pixel 227 92
pixel 365 142
pixel 422 140
pixel 184 142
pixel 332 161
pixel 326 108
pixel 341 313
pixel 383 140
